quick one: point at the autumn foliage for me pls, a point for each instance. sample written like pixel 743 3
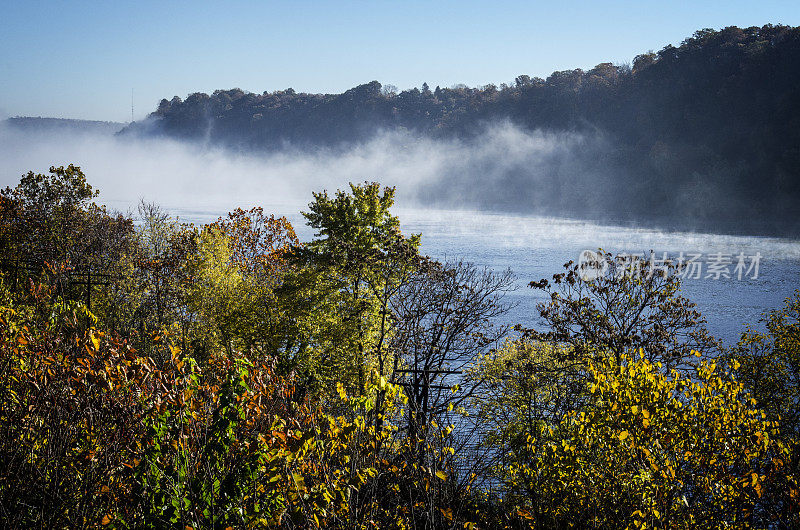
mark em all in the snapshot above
pixel 161 375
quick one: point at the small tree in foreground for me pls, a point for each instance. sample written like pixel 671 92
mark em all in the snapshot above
pixel 613 305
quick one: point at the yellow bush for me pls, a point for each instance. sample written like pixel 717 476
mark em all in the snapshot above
pixel 657 450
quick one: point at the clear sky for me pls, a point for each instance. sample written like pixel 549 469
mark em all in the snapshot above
pixel 77 59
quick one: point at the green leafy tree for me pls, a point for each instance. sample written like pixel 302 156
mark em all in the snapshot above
pixel 49 224
pixel 274 319
pixel 768 363
pixel 361 257
pixel 524 389
pixel 43 212
pixel 221 298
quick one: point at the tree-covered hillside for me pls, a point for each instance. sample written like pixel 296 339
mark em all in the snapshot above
pixel 704 135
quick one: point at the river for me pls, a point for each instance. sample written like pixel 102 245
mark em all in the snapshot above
pixel 537 247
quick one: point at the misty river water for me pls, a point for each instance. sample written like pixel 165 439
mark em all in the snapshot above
pixel 537 247
pixel 200 184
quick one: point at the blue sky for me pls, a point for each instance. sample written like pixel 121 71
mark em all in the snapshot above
pixel 82 59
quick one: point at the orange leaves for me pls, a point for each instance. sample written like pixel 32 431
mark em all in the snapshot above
pixel 75 419
pixel 258 242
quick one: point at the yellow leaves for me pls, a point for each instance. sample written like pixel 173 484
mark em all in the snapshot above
pixel 755 482
pixel 759 437
pixel 441 475
pixel 704 431
pixel 340 390
pixel 95 341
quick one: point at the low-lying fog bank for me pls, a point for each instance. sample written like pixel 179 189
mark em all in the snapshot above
pixel 505 169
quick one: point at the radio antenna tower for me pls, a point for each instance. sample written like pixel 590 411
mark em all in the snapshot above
pixel 131 105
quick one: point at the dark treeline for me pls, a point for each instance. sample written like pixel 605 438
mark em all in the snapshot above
pixel 59 125
pixel 700 136
pixel 155 374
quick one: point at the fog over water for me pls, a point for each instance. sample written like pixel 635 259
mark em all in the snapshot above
pixel 206 177
pixel 200 183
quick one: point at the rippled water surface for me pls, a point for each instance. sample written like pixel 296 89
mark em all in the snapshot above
pixel 537 247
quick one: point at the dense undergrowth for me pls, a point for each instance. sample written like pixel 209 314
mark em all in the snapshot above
pixel 162 375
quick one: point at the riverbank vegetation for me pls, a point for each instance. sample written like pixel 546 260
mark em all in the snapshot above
pixel 156 374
